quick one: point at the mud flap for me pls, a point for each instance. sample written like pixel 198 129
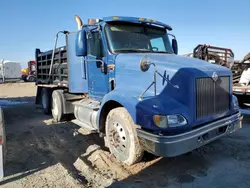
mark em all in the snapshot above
pixel 38 95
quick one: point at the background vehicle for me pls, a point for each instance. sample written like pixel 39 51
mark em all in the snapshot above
pixel 29 75
pixel 213 54
pixel 217 55
pixel 121 77
pixel 241 88
pixel 9 71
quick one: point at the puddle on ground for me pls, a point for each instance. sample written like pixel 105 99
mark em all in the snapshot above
pixel 5 102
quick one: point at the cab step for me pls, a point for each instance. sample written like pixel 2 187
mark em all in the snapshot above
pixel 87 129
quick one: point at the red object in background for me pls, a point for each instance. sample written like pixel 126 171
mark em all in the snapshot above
pixel 30 75
pixel 32 67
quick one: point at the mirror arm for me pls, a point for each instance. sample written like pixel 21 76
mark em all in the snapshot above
pixel 172 35
pixel 141 95
pixel 175 86
pixel 153 83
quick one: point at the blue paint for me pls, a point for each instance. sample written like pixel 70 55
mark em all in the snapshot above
pixel 180 70
pixel 135 20
pixel 97 80
pixel 130 82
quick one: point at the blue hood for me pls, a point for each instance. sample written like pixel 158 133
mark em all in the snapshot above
pixel 179 70
pixel 128 70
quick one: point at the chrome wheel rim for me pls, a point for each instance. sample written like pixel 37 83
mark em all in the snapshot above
pixel 119 139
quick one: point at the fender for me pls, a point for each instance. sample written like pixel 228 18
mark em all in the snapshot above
pixel 142 111
pixel 127 101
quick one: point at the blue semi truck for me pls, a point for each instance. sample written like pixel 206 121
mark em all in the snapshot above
pixel 121 77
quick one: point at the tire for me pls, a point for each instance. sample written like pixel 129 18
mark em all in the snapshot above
pixel 24 78
pixel 121 137
pixel 31 78
pixel 46 100
pixel 57 105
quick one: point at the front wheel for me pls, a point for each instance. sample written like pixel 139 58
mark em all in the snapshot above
pixel 121 136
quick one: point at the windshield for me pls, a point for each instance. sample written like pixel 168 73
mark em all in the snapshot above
pixel 128 37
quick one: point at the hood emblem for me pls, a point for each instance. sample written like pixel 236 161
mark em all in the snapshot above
pixel 215 76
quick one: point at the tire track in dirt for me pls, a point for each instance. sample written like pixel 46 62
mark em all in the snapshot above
pixel 50 142
pixel 93 167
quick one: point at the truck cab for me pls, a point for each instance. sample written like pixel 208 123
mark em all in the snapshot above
pixel 122 77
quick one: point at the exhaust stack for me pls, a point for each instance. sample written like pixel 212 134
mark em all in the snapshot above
pixel 79 22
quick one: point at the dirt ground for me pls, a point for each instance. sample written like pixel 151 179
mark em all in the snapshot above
pixel 42 153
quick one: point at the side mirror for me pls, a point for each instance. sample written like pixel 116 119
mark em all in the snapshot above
pixel 81 43
pixel 145 64
pixel 175 46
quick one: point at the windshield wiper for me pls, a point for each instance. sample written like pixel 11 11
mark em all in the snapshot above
pixel 131 50
pixel 162 52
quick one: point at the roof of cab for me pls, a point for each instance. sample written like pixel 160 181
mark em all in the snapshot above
pixel 136 20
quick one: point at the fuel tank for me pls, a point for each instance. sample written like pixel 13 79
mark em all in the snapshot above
pixel 86 111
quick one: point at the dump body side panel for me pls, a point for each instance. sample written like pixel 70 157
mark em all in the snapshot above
pixel 59 72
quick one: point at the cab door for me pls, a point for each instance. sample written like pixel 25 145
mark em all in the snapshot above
pixel 96 66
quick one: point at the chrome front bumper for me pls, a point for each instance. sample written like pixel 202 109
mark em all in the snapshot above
pixel 170 146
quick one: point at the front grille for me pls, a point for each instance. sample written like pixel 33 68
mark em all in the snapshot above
pixel 212 97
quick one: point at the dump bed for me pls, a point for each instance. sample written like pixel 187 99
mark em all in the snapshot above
pixel 59 69
pixel 67 69
pixel 220 56
pixel 217 55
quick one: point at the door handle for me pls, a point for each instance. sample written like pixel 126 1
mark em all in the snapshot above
pixel 97 60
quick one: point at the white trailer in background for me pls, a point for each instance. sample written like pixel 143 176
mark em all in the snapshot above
pixel 10 71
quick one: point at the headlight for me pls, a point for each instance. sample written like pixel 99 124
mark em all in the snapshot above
pixel 169 121
pixel 235 104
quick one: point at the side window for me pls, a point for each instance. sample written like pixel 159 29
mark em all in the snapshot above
pixel 158 44
pixel 95 45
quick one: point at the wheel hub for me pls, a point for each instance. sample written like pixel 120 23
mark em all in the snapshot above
pixel 118 137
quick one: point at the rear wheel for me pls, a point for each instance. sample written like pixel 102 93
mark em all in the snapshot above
pixel 31 78
pixel 121 137
pixel 46 100
pixel 57 105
